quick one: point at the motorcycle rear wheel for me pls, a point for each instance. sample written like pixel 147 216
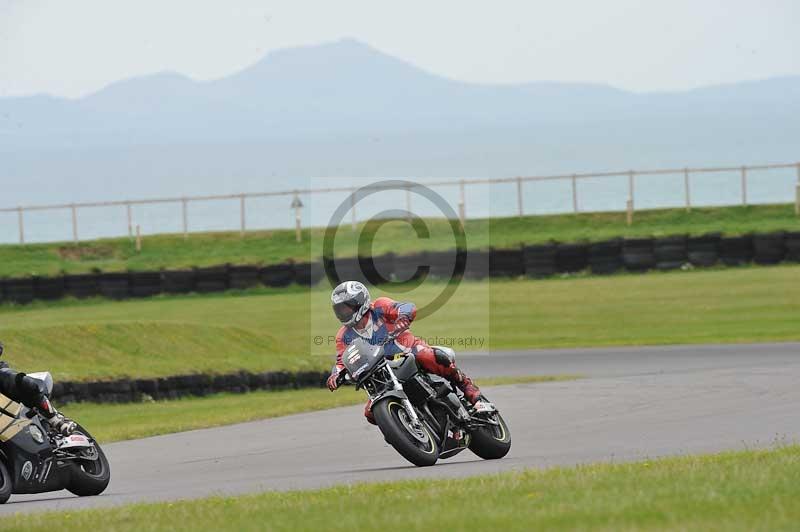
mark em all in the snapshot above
pixel 417 446
pixel 89 477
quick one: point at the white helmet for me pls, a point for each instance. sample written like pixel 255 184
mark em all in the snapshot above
pixel 350 301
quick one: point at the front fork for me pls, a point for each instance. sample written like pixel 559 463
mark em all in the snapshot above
pixel 412 413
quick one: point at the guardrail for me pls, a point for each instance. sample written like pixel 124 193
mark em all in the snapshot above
pixel 296 204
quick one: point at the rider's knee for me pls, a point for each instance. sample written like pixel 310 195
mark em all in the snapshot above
pixel 445 356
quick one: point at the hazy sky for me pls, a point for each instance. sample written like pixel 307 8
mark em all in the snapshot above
pixel 69 48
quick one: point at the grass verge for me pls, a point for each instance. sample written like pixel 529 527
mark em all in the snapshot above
pixel 115 422
pixel 269 247
pixel 746 490
pixel 268 330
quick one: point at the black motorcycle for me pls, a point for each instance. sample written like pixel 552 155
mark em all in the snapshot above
pixel 41 453
pixel 421 415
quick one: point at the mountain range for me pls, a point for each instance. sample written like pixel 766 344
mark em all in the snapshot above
pixel 344 108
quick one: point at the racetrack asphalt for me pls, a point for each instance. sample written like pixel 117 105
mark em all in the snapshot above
pixel 634 403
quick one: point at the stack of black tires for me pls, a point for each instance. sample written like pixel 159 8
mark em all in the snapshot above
pixel 537 261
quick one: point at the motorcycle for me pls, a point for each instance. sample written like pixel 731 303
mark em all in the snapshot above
pixel 41 453
pixel 421 415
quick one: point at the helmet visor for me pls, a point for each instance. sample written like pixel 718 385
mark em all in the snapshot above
pixel 345 311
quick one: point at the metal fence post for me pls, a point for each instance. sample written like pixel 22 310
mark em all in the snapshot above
pixel 797 199
pixel 297 205
pixel 462 208
pixel 242 215
pixel 185 213
pixel 74 223
pixel 21 223
pixel 574 193
pixel 686 190
pixel 520 208
pixel 631 185
pixel 130 219
pixel 744 185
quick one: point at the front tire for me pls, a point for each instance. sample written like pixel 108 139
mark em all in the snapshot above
pixel 89 477
pixel 417 446
pixel 491 442
pixel 6 483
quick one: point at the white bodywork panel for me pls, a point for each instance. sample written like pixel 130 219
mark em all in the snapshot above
pixel 75 441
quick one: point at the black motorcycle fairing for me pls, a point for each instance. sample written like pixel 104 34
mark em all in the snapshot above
pixel 440 419
pixel 405 367
pixel 437 403
pixel 32 465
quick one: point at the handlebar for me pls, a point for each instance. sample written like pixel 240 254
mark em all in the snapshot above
pixel 393 335
pixel 343 378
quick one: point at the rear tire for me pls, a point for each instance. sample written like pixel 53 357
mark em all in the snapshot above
pixel 6 483
pixel 491 443
pixel 418 447
pixel 89 477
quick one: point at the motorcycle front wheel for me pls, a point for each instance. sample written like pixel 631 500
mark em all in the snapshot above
pixel 417 445
pixel 91 474
pixel 5 483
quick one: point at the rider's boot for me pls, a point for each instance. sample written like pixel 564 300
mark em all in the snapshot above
pixel 467 387
pixel 368 413
pixel 442 363
pixel 63 424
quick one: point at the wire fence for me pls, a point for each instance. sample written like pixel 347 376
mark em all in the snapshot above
pixel 178 207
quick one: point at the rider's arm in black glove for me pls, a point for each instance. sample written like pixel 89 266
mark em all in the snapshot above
pixel 17 386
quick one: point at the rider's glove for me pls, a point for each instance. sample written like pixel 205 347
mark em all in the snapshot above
pixel 401 324
pixel 63 424
pixel 331 382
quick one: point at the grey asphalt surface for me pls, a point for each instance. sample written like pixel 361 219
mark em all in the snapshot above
pixel 633 403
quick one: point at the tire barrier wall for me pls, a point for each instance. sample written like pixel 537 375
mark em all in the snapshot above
pixel 146 284
pixel 671 252
pixel 138 390
pixel 606 257
pixel 542 260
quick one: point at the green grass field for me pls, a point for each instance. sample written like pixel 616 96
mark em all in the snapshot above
pixel 267 247
pixel 270 330
pixel 114 422
pixel 747 490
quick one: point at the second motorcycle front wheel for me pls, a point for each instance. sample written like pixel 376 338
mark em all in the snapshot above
pixel 91 473
pixel 415 444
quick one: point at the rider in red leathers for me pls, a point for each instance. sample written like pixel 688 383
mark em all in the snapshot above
pixel 374 321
